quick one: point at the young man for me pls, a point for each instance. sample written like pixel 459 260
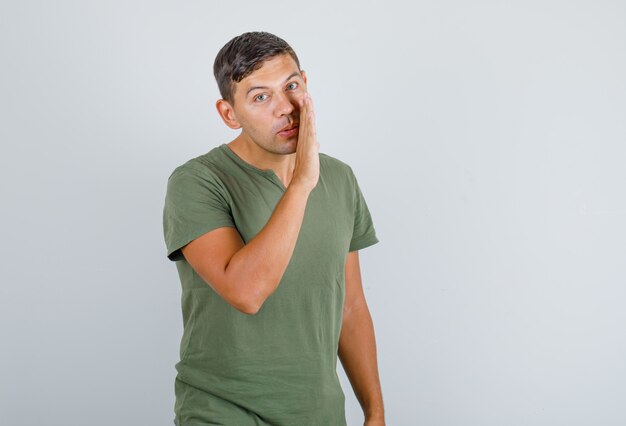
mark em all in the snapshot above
pixel 265 232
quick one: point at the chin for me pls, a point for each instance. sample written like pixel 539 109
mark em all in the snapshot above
pixel 286 148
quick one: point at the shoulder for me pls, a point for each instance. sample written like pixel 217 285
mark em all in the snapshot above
pixel 198 177
pixel 204 166
pixel 335 167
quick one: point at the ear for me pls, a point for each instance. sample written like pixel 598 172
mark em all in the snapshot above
pixel 227 112
pixel 303 75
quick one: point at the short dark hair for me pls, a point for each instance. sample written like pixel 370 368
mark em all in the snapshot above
pixel 243 55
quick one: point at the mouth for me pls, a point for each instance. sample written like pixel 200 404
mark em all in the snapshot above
pixel 289 131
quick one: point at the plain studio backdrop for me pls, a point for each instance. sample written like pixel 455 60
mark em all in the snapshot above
pixel 489 139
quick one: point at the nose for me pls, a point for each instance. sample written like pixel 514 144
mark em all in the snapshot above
pixel 285 105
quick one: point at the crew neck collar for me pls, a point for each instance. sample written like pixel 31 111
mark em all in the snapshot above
pixel 244 163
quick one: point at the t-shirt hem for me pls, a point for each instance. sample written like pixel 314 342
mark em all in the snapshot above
pixel 174 253
pixel 363 242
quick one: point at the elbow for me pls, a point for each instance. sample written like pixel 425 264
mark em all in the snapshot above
pixel 249 299
pixel 250 305
pixel 249 309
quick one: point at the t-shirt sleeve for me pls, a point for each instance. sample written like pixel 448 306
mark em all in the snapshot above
pixel 195 203
pixel 364 234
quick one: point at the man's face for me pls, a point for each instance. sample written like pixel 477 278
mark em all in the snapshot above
pixel 267 104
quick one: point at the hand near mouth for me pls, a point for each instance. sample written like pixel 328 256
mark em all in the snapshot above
pixel 307 167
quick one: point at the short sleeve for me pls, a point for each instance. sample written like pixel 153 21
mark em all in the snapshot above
pixel 364 234
pixel 195 203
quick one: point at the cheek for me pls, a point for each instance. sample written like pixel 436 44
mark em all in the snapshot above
pixel 255 118
pixel 261 124
pixel 297 98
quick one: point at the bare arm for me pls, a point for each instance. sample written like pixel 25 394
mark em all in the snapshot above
pixel 357 346
pixel 246 274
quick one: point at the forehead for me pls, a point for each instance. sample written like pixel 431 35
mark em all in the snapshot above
pixel 273 72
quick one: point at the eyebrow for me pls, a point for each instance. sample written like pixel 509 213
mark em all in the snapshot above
pixel 294 74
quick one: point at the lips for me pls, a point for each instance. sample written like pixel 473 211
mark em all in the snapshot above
pixel 288 127
pixel 289 131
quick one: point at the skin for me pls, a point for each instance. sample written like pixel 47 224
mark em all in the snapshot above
pixel 245 275
pixel 265 102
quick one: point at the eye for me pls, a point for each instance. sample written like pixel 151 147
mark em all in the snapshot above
pixel 260 98
pixel 292 86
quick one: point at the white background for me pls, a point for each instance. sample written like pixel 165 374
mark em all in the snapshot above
pixel 489 141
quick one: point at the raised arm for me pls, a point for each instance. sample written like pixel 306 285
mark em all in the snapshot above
pixel 246 275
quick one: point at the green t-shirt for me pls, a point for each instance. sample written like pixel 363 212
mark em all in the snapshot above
pixel 277 367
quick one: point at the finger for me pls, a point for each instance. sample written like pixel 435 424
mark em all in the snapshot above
pixel 305 117
pixel 302 122
pixel 311 120
pixel 304 107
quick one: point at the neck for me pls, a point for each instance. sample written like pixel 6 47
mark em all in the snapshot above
pixel 282 164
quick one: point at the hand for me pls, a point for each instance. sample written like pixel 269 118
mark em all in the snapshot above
pixel 307 168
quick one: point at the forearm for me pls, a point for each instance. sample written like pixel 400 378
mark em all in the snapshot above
pixel 357 352
pixel 258 266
